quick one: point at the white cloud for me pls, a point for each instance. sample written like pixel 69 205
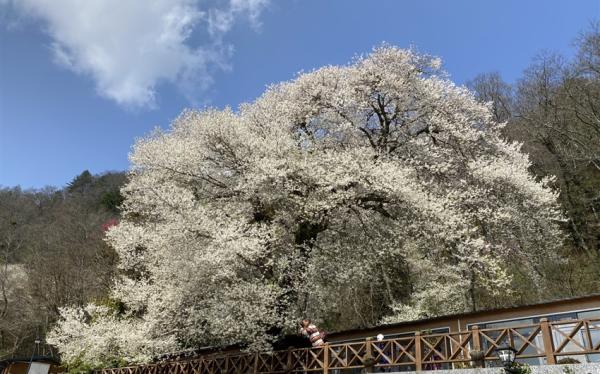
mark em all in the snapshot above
pixel 129 47
pixel 221 20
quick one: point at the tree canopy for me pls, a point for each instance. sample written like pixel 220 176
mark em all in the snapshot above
pixel 373 191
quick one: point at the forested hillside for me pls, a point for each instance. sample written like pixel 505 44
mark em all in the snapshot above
pixel 53 252
pixel 554 110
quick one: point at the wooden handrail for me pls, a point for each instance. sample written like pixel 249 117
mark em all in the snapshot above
pixel 549 340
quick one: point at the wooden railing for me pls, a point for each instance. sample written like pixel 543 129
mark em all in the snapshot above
pixel 546 341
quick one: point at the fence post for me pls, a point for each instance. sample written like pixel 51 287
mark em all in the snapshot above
pixel 288 362
pixel 368 360
pixel 480 361
pixel 548 341
pixel 326 358
pixel 255 368
pixel 418 357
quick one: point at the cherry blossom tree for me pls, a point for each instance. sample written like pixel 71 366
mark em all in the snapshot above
pixel 379 183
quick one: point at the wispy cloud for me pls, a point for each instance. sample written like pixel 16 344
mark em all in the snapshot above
pixel 130 47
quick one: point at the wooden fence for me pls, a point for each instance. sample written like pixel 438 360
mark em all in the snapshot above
pixel 545 341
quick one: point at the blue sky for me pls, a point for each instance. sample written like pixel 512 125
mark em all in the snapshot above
pixel 80 81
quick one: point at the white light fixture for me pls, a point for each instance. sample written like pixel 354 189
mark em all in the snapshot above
pixel 507 355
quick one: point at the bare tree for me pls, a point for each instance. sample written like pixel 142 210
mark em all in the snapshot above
pixel 489 87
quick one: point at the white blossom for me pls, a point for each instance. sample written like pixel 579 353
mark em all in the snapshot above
pixel 236 224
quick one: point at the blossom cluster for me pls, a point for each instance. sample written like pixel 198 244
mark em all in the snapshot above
pixel 379 174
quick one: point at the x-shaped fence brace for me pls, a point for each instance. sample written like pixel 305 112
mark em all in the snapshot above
pixel 346 355
pixel 586 344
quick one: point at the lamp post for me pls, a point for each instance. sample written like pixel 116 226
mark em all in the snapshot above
pixel 507 355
